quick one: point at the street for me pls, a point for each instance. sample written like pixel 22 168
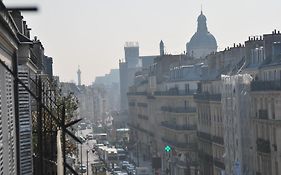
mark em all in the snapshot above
pixel 87 146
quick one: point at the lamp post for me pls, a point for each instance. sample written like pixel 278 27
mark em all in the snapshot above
pixel 81 156
pixel 88 162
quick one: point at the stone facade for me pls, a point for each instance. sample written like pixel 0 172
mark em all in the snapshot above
pixel 236 120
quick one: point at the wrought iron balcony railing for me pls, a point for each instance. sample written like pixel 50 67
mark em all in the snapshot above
pixel 209 137
pixel 218 163
pixel 218 140
pixel 178 109
pixel 182 145
pixel 208 97
pixel 204 135
pixel 266 85
pixel 174 93
pixel 137 93
pixel 178 127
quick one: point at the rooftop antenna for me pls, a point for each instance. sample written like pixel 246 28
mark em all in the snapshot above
pixel 201 9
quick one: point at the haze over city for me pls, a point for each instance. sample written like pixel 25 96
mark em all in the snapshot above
pixel 92 34
pixel 148 87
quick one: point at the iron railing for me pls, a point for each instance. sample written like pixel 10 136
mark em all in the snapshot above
pixel 266 85
pixel 207 97
pixel 182 145
pixel 178 109
pixel 178 127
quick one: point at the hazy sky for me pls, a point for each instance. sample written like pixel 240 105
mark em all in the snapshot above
pixel 92 33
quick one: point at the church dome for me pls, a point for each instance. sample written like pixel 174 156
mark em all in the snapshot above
pixel 202 42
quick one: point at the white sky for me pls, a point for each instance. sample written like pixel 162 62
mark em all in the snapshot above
pixel 92 33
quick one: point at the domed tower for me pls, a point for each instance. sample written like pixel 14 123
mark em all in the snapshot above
pixel 202 42
pixel 161 46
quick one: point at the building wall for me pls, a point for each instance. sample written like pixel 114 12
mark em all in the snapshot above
pixel 237 136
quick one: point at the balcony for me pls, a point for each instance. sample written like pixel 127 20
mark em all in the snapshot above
pixel 266 86
pixel 181 145
pixel 178 109
pixel 140 129
pixel 144 105
pixel 207 97
pixel 209 137
pixel 205 136
pixel 186 164
pixel 174 92
pixel 218 140
pixel 204 156
pixel 218 163
pixel 137 93
pixel 263 114
pixel 143 117
pixel 263 145
pixel 178 127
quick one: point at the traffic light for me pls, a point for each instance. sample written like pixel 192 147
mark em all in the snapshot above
pixel 168 148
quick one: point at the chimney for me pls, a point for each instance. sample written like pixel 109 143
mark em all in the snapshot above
pixel 18 20
pixel 24 28
pixel 28 33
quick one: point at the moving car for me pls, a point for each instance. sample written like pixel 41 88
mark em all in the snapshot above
pixel 82 168
pixel 83 140
pixel 90 136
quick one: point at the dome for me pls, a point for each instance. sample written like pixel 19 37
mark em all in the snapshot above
pixel 202 42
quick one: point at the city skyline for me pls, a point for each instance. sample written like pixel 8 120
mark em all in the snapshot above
pixel 97 46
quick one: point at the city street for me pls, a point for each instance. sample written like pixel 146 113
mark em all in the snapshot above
pixel 87 146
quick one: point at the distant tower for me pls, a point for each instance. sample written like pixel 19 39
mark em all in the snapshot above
pixel 161 48
pixel 79 76
pixel 132 54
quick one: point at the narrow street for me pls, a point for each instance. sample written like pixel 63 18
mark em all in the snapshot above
pixel 87 147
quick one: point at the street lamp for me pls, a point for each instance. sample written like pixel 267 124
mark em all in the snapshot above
pixel 87 162
pixel 81 156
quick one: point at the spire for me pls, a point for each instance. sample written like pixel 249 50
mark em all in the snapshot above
pixel 161 45
pixel 79 75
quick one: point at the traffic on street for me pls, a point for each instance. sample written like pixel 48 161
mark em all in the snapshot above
pixel 97 156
